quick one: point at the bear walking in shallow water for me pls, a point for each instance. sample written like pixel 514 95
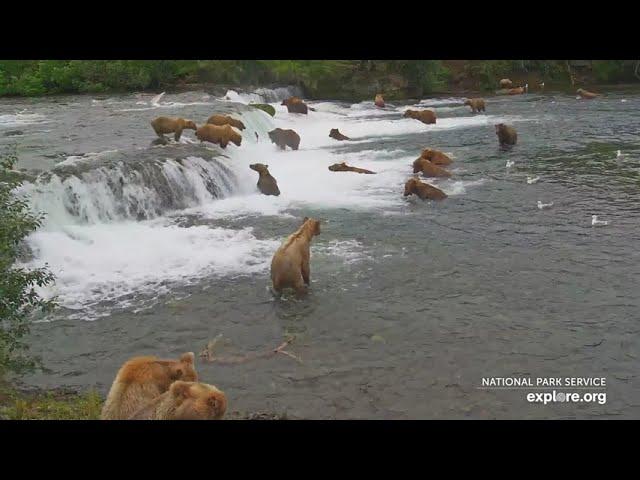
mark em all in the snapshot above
pixel 506 135
pixel 220 135
pixel 476 104
pixel 425 116
pixel 285 138
pixel 423 190
pixel 165 125
pixel 266 183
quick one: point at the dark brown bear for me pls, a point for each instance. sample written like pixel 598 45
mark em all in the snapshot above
pixel 343 167
pixel 266 183
pixel 295 105
pixel 506 135
pixel 285 138
pixel 335 133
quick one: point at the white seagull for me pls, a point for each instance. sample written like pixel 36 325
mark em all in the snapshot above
pixel 619 154
pixel 531 179
pixel 544 205
pixel 595 222
pixel 510 163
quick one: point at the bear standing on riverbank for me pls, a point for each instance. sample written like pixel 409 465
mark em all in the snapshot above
pixel 290 264
pixel 220 135
pixel 165 125
pixel 141 379
pixel 185 401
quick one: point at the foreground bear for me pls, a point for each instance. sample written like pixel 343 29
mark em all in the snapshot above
pixel 586 94
pixel 290 264
pixel 295 105
pixel 185 401
pixel 164 125
pixel 506 83
pixel 221 135
pixel 506 135
pixel 335 133
pixel 266 183
pixel 141 379
pixel 423 190
pixel 343 167
pixel 285 138
pixel 425 116
pixel 476 104
pixel 225 120
pixel 379 101
pixel 436 157
pixel 429 169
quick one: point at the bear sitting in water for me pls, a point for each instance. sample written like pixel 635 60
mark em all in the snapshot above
pixel 164 125
pixel 290 264
pixel 436 157
pixel 295 105
pixel 221 135
pixel 506 135
pixel 379 101
pixel 225 120
pixel 423 190
pixel 185 401
pixel 285 138
pixel 335 133
pixel 266 183
pixel 425 116
pixel 476 104
pixel 343 167
pixel 429 169
pixel 586 94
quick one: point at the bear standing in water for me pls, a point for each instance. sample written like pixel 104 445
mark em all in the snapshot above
pixel 295 105
pixel 220 135
pixel 225 120
pixel 423 190
pixel 476 104
pixel 266 183
pixel 379 101
pixel 506 135
pixel 285 138
pixel 185 401
pixel 164 125
pixel 290 264
pixel 429 169
pixel 436 157
pixel 425 116
pixel 141 379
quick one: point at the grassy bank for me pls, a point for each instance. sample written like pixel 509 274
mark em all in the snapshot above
pixel 339 79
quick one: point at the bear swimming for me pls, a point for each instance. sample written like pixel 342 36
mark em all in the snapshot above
pixel 506 135
pixel 225 120
pixel 476 104
pixel 141 379
pixel 335 133
pixel 290 264
pixel 164 125
pixel 285 138
pixel 429 169
pixel 379 101
pixel 425 116
pixel 295 105
pixel 185 401
pixel 343 167
pixel 436 157
pixel 266 183
pixel 423 190
pixel 221 135
pixel 585 94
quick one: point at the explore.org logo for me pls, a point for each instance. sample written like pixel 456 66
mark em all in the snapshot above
pixel 574 388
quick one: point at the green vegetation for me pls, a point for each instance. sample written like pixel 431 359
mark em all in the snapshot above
pixel 340 79
pixel 19 301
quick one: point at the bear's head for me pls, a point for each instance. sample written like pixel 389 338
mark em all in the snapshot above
pixel 468 102
pixel 411 186
pixel 313 225
pixel 236 123
pixel 408 113
pixel 417 164
pixel 334 132
pixel 274 134
pixel 184 369
pixel 197 401
pixel 260 168
pixel 500 127
pixel 337 167
pixel 190 124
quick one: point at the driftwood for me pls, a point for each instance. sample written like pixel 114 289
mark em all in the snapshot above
pixel 208 355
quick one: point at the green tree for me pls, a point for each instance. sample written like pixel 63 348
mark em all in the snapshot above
pixel 19 300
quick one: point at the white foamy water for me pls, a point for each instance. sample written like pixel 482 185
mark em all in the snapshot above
pixel 18 119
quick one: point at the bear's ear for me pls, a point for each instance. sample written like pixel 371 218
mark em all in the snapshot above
pixel 188 357
pixel 180 389
pixel 305 219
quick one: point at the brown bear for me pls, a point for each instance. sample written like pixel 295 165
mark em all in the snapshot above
pixel 506 83
pixel 476 104
pixel 423 190
pixel 185 401
pixel 516 91
pixel 429 169
pixel 295 105
pixel 141 379
pixel 436 157
pixel 379 101
pixel 225 120
pixel 163 125
pixel 425 116
pixel 586 94
pixel 335 133
pixel 285 138
pixel 343 167
pixel 266 183
pixel 290 264
pixel 506 135
pixel 221 135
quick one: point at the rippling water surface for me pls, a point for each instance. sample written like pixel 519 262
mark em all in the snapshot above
pixel 159 249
